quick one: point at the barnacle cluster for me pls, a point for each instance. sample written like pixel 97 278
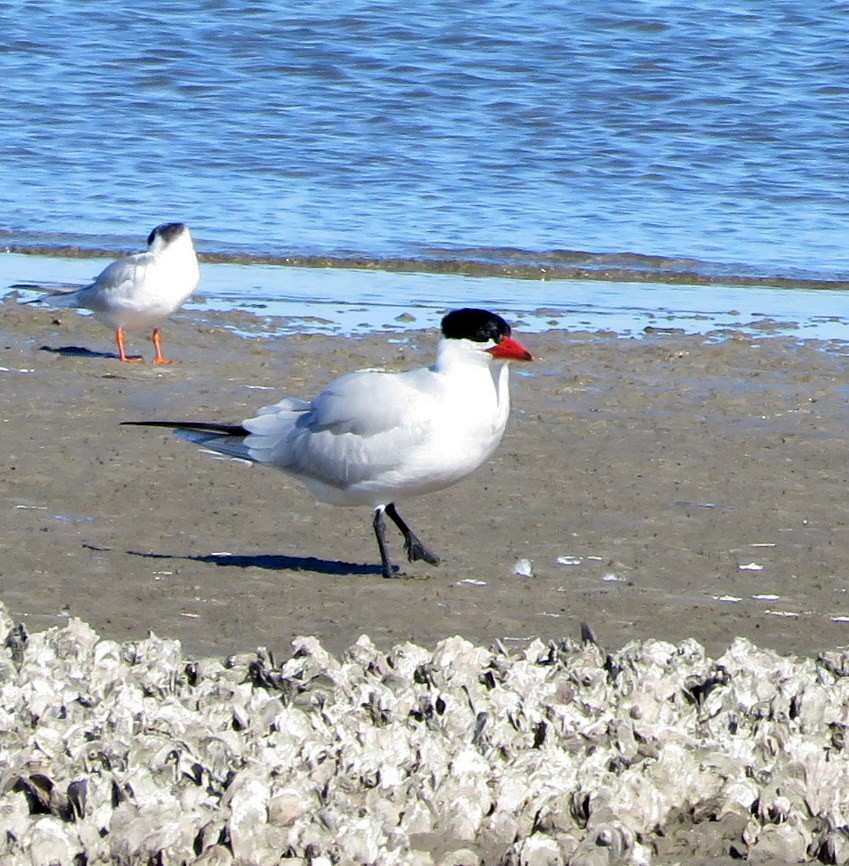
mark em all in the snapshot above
pixel 561 753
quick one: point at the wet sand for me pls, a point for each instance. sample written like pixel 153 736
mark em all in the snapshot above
pixel 691 487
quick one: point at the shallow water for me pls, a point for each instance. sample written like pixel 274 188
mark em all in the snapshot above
pixel 350 300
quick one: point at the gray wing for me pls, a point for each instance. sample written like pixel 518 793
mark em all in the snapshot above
pixel 119 280
pixel 361 426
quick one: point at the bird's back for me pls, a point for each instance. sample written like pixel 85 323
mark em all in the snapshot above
pixel 373 436
pixel 141 290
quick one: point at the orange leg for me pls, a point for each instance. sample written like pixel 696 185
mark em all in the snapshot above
pixel 122 355
pixel 157 349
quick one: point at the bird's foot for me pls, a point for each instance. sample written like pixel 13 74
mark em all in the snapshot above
pixel 417 551
pixel 131 359
pixel 400 574
pixel 391 572
pixel 165 361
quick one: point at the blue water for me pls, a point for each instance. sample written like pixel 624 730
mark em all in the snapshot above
pixel 690 135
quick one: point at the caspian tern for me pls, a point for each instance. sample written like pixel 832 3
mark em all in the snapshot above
pixel 373 437
pixel 141 290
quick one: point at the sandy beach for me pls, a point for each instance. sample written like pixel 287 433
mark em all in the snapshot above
pixel 672 486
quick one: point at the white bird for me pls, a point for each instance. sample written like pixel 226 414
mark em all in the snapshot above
pixel 141 290
pixel 373 437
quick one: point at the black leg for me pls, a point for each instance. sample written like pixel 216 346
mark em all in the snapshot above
pixel 386 564
pixel 415 549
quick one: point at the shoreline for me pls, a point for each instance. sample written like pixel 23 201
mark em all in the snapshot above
pixel 482 262
pixel 673 486
pixel 280 300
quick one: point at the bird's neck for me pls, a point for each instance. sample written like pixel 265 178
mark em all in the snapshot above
pixel 177 249
pixel 458 356
pixel 465 364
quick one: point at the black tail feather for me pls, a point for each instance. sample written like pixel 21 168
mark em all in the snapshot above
pixel 202 426
pixel 226 439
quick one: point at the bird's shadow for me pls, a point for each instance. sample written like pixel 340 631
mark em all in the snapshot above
pixel 270 561
pixel 77 352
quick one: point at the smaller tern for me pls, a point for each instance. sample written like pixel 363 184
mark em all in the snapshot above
pixel 142 290
pixel 373 437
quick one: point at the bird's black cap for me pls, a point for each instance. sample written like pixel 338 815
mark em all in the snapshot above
pixel 478 325
pixel 167 231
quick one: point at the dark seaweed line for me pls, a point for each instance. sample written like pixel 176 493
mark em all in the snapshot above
pixel 464 267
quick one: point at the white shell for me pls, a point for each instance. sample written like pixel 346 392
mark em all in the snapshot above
pixel 561 753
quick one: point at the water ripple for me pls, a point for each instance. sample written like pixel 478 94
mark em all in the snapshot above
pixel 380 132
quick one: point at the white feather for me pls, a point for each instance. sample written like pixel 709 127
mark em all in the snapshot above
pixel 373 437
pixel 141 290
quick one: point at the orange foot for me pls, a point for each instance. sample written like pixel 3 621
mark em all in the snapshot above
pixel 157 349
pixel 122 355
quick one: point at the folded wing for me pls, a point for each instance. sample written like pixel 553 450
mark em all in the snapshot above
pixel 358 429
